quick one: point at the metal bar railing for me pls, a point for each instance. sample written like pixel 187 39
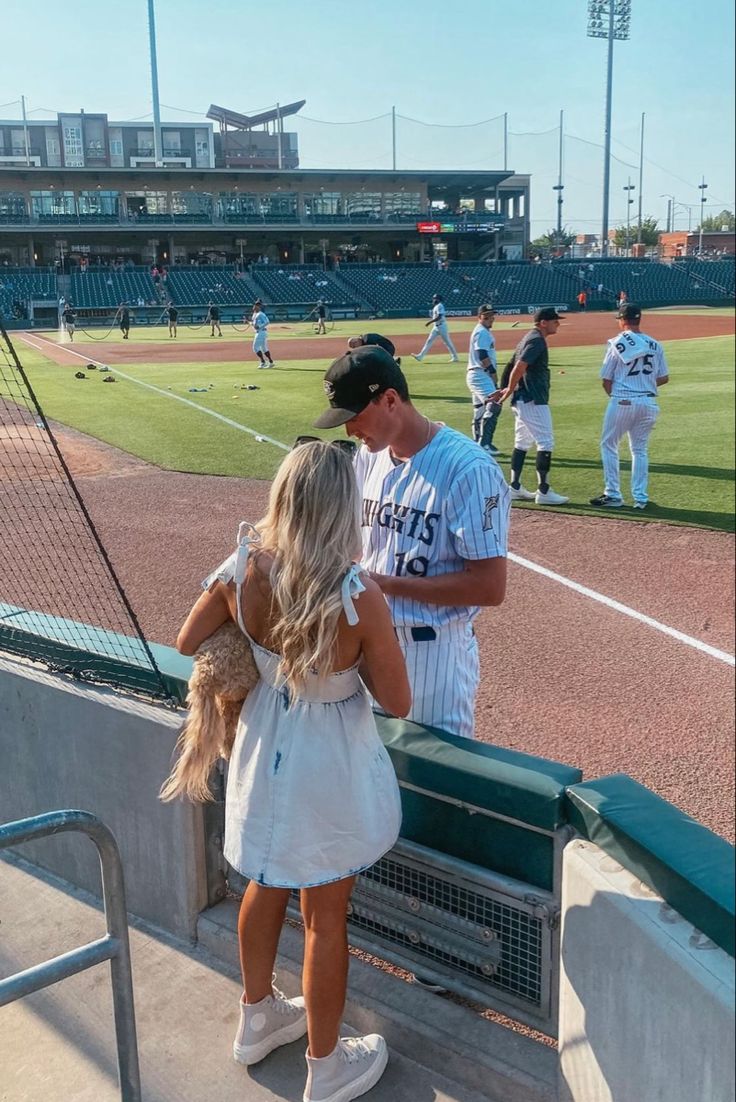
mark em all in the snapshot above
pixel 114 946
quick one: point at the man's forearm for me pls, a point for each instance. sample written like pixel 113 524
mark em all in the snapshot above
pixel 458 588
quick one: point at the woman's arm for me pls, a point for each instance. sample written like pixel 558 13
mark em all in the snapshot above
pixel 383 668
pixel 213 609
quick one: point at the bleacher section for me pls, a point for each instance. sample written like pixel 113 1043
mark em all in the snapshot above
pixel 198 286
pixel 108 288
pixel 21 286
pixel 714 279
pixel 649 282
pixel 305 283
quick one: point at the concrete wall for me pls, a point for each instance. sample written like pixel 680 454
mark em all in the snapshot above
pixel 646 1001
pixel 68 745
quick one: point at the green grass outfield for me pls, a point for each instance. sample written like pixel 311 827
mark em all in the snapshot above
pixel 691 454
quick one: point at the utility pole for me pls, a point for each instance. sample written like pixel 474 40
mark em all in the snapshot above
pixel 641 180
pixel 702 187
pixel 393 138
pixel 505 140
pixel 25 130
pixel 559 187
pixel 629 187
pixel 157 150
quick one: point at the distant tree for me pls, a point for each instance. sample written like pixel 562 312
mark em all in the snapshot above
pixel 552 240
pixel 649 233
pixel 715 222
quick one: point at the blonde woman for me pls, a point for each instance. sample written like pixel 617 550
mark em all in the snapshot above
pixel 312 798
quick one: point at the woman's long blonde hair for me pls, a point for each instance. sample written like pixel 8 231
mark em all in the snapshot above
pixel 312 529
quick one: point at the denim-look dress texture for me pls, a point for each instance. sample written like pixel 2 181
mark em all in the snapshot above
pixel 312 796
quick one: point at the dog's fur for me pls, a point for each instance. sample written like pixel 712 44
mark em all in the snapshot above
pixel 224 673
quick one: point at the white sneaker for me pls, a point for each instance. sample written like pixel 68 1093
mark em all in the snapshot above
pixel 262 367
pixel 417 358
pixel 454 360
pixel 268 1024
pixel 521 494
pixel 352 1068
pixel 550 498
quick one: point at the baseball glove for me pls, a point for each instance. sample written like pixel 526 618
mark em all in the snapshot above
pixel 223 675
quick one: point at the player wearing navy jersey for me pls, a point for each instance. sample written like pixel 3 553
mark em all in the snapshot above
pixel 434 527
pixel 374 338
pixel 438 321
pixel 633 370
pixel 482 380
pixel 526 381
pixel 213 318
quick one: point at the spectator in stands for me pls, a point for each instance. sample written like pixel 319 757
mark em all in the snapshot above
pixel 213 318
pixel 124 311
pixel 583 300
pixel 173 314
pixel 68 319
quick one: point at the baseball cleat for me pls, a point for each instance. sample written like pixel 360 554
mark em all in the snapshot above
pixel 491 449
pixel 640 504
pixel 417 358
pixel 605 501
pixel 550 498
pixel 521 494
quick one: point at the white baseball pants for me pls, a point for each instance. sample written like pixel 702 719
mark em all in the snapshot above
pixel 443 333
pixel 444 674
pixel 533 425
pixel 481 387
pixel 635 417
pixel 260 342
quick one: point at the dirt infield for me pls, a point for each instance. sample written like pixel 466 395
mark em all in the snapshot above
pixel 578 329
pixel 563 676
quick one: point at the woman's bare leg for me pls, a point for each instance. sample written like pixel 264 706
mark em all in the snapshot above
pixel 259 928
pixel 324 980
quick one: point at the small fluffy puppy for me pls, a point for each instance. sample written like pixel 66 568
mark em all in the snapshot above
pixel 223 675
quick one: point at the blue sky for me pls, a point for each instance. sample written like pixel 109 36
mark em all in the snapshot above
pixel 444 65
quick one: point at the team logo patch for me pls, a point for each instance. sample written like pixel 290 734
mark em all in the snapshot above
pixel 329 389
pixel 491 503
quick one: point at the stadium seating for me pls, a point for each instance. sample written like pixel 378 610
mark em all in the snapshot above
pixel 651 281
pixel 20 286
pixel 108 287
pixel 709 278
pixel 198 286
pixel 304 283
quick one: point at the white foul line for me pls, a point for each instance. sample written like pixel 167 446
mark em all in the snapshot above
pixel 609 602
pixel 722 656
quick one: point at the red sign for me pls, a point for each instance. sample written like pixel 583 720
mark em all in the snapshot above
pixel 429 227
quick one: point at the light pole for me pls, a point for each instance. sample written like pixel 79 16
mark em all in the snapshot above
pixel 609 19
pixel 559 187
pixel 702 186
pixel 670 209
pixel 628 189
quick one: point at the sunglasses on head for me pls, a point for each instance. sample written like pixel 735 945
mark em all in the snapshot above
pixel 348 446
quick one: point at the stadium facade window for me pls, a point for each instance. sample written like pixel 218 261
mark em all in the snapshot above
pixel 397 203
pixel 53 147
pixel 144 204
pixel 238 206
pixel 115 137
pixel 323 204
pixel 279 204
pixel 52 203
pixel 105 203
pixel 12 207
pixel 192 202
pixel 73 148
pixel 363 206
pixel 144 141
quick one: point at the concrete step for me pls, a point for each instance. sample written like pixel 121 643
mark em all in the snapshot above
pixel 58 1045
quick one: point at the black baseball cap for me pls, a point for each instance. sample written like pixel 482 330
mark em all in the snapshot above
pixel 354 380
pixel 486 308
pixel 630 312
pixel 547 313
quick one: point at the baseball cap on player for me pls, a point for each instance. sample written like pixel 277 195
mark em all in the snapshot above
pixel 354 380
pixel 630 312
pixel 547 313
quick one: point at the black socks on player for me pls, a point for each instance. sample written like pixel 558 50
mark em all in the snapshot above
pixel 517 465
pixel 544 462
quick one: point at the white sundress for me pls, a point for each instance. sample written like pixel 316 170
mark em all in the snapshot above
pixel 312 796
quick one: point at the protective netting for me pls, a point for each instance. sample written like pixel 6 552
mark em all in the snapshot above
pixel 61 602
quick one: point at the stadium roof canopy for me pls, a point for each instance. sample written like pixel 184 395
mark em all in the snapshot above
pixel 226 117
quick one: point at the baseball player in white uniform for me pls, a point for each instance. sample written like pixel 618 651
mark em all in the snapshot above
pixel 260 322
pixel 633 369
pixel 434 526
pixel 438 321
pixel 482 380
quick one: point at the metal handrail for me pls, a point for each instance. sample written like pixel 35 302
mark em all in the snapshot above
pixel 114 946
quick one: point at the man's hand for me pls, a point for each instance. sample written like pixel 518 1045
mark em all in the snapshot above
pixel 500 396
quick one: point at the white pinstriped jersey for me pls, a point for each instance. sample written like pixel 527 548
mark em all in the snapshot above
pixel 260 321
pixel 423 517
pixel 632 362
pixel 438 314
pixel 481 340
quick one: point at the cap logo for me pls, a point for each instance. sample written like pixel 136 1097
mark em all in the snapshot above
pixel 329 389
pixel 373 387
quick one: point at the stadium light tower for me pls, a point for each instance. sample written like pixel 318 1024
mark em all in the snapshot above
pixel 609 19
pixel 157 151
pixel 702 187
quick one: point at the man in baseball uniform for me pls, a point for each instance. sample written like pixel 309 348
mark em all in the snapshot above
pixel 526 381
pixel 438 321
pixel 482 380
pixel 633 370
pixel 435 521
pixel 260 322
pixel 374 338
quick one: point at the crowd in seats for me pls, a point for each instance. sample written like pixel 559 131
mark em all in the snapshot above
pixel 303 283
pixel 20 286
pixel 110 287
pixel 224 286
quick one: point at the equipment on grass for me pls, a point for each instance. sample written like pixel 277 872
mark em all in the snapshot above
pixel 79 375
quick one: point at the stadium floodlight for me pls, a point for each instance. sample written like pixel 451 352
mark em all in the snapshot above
pixel 702 186
pixel 609 19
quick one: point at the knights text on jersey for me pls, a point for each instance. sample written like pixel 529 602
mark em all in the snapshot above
pixel 633 362
pixel 425 516
pixel 481 340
